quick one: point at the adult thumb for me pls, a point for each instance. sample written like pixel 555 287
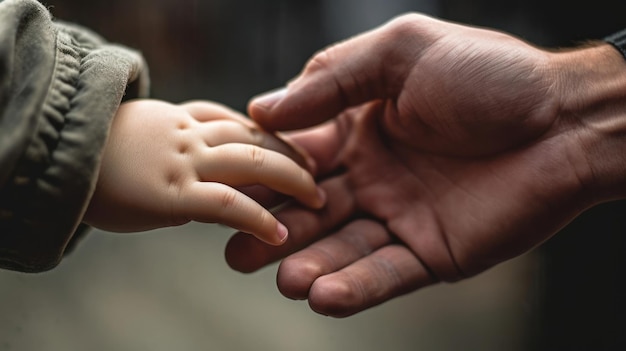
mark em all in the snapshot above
pixel 370 66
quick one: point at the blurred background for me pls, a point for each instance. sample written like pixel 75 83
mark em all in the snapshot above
pixel 170 289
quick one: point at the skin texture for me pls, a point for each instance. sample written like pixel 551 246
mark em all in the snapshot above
pixel 166 165
pixel 444 150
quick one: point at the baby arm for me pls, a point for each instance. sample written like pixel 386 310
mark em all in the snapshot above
pixel 166 165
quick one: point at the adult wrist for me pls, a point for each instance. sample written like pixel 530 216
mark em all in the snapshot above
pixel 592 81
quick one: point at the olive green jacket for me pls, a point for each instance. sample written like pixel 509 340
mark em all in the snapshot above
pixel 60 86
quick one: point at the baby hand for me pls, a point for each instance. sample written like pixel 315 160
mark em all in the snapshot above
pixel 166 165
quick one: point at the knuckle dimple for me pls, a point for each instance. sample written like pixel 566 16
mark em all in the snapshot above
pixel 183 148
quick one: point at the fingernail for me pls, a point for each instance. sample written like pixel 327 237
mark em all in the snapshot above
pixel 282 232
pixel 268 100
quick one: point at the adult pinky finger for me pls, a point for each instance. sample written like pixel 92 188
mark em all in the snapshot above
pixel 210 202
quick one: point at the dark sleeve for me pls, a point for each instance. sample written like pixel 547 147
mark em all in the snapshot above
pixel 60 86
pixel 618 40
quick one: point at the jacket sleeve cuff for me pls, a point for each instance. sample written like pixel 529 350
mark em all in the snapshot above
pixel 64 119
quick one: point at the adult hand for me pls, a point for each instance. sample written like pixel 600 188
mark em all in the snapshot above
pixel 450 149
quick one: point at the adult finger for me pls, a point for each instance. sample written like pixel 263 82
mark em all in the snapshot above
pixel 371 66
pixel 245 254
pixel 323 143
pixel 351 243
pixel 388 272
pixel 211 202
pixel 244 164
pixel 351 270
